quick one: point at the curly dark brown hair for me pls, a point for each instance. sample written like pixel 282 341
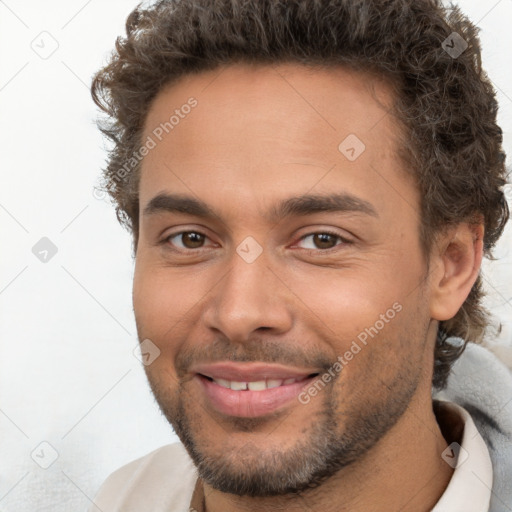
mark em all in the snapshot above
pixel 444 102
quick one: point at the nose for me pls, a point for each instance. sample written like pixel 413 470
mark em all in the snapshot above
pixel 249 298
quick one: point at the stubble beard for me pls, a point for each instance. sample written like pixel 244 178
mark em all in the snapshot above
pixel 331 441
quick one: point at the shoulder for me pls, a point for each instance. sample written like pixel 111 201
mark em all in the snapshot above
pixel 163 480
pixel 482 385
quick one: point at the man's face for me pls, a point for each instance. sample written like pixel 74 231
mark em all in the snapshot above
pixel 254 272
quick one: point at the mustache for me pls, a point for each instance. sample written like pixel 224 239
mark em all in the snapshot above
pixel 261 351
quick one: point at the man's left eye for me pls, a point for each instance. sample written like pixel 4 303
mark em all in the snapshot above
pixel 321 241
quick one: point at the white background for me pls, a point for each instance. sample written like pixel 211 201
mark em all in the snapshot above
pixel 68 376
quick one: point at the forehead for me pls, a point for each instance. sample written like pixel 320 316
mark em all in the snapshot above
pixel 264 129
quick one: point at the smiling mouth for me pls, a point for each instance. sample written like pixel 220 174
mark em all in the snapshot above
pixel 257 385
pixel 250 390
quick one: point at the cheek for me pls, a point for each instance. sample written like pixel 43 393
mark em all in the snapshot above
pixel 346 301
pixel 156 304
pixel 167 303
pixel 158 316
pixel 366 313
pixel 383 355
pixel 147 299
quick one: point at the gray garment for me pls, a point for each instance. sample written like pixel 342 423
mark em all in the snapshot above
pixel 482 384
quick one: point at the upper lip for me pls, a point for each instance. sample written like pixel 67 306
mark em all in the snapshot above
pixel 250 372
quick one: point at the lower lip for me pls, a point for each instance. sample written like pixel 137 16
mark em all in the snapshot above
pixel 250 404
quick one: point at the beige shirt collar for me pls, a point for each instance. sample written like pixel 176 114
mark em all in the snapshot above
pixel 469 489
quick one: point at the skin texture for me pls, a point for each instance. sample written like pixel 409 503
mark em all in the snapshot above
pixel 258 136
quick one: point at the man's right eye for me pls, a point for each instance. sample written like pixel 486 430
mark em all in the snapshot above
pixel 186 240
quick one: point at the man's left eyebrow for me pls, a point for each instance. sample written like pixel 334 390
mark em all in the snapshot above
pixel 311 204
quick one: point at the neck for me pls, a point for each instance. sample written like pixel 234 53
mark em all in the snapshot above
pixel 403 471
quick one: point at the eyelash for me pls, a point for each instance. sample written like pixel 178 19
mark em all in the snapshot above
pixel 342 240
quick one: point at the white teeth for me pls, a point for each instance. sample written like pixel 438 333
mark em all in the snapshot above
pixel 224 383
pixel 259 385
pixel 238 386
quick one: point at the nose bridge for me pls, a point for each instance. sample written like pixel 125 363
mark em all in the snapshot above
pixel 247 298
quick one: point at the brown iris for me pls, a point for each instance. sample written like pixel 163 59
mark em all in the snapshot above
pixel 192 240
pixel 324 240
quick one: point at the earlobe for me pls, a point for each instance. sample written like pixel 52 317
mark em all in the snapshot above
pixel 458 263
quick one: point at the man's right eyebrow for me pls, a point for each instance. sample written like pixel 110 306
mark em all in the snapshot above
pixel 174 203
